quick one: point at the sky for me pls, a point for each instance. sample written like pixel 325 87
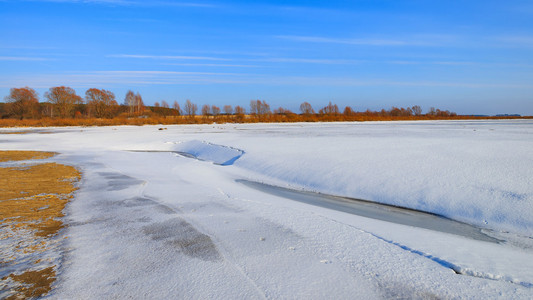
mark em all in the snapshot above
pixel 470 57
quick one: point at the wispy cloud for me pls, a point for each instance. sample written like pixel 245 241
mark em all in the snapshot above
pixel 445 63
pixel 515 41
pixel 177 3
pixel 430 40
pixel 118 78
pixel 168 57
pixel 22 58
pixel 366 42
pixel 308 61
pixel 360 82
pixel 150 73
pixel 214 65
pixel 133 3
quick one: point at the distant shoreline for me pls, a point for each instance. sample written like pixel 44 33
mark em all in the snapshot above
pixel 243 119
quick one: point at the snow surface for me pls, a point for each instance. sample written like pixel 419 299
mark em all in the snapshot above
pixel 162 214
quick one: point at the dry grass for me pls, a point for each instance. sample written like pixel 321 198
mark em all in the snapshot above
pixel 32 198
pixel 33 284
pixel 23 155
pixel 15 132
pixel 271 118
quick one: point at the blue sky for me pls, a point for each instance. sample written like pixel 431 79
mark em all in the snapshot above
pixel 465 56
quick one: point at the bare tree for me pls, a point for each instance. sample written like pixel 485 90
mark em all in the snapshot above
pixel 306 108
pixel 23 102
pixel 47 109
pixel 101 103
pixel 190 108
pixel 330 109
pixel 130 101
pixel 239 110
pixel 282 111
pixel 156 104
pixel 206 110
pixel 228 109
pixel 64 100
pixel 258 107
pixel 177 108
pixel 139 104
pixel 348 111
pixel 417 110
pixel 263 108
pixel 215 110
pixel 253 107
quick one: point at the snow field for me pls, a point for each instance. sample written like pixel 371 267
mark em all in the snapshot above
pixel 162 225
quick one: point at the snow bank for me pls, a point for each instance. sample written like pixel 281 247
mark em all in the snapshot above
pixel 217 154
pixel 476 172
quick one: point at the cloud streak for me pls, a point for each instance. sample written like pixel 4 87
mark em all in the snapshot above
pixel 427 40
pixel 308 61
pixel 154 77
pixel 133 3
pixel 515 41
pixel 327 40
pixel 213 65
pixel 22 58
pixel 168 57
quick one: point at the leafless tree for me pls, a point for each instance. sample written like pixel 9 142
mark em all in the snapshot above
pixel 306 108
pixel 417 110
pixel 139 104
pixel 190 108
pixel 177 108
pixel 129 100
pixel 23 102
pixel 101 103
pixel 282 111
pixel 348 111
pixel 215 110
pixel 64 100
pixel 330 109
pixel 253 107
pixel 258 107
pixel 228 109
pixel 206 110
pixel 239 110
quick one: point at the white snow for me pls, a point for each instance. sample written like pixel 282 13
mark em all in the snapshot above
pixel 159 214
pixel 220 155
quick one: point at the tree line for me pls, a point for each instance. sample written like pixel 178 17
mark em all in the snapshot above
pixel 63 103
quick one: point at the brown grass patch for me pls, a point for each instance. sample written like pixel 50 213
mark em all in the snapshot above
pixel 15 132
pixel 33 284
pixel 24 155
pixel 269 118
pixel 32 198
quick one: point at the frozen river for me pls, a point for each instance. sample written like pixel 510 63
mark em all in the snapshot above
pixel 268 210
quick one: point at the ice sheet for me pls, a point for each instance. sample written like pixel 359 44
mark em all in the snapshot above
pixel 155 224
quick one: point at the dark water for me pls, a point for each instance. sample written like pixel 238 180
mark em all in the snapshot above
pixel 383 212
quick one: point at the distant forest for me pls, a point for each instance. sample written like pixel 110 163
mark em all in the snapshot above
pixel 99 107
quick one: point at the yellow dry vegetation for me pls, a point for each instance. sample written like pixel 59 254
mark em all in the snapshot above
pixel 32 198
pixel 24 155
pixel 15 132
pixel 33 283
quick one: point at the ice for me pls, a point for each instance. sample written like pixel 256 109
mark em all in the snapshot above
pixel 162 214
pixel 218 154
